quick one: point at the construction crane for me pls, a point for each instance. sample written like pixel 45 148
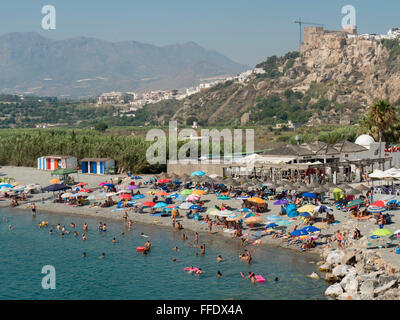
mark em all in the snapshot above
pixel 300 23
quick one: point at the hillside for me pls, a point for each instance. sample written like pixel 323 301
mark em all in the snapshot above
pixel 332 79
pixel 84 67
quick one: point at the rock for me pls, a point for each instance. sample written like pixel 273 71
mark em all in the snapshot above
pixel 367 288
pixel 371 276
pixel 344 296
pixel 314 275
pixel 320 263
pixel 384 279
pixel 350 276
pixel 366 297
pixel 334 290
pixel 334 257
pixel 385 287
pixel 349 258
pixel 342 270
pixel 325 267
pixel 330 278
pixel 351 287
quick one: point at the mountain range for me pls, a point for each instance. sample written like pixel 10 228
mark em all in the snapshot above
pixel 85 67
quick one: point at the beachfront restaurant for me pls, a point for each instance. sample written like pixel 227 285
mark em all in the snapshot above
pixel 98 165
pixel 56 162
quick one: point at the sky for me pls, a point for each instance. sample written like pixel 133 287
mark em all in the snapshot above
pixel 245 31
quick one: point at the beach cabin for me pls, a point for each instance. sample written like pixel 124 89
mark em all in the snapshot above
pixel 97 165
pixel 56 162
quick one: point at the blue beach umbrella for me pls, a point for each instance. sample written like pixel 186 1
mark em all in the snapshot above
pixel 310 195
pixel 311 229
pixel 5 185
pixel 305 214
pixel 138 196
pixel 195 207
pixel 136 177
pixel 160 205
pixel 197 173
pixel 223 198
pixel 273 218
pixel 300 232
pixel 242 198
pixel 271 225
pixel 175 195
pixel 291 211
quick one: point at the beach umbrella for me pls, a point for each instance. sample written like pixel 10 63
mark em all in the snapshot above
pixel 66 195
pixel 283 223
pixel 212 211
pixel 253 220
pixel 162 193
pixel 362 187
pixel 185 205
pixel 305 214
pixel 311 229
pixel 55 187
pixel 198 173
pixel 163 180
pixel 181 198
pixel 281 202
pixel 273 218
pixel 382 232
pixel 271 225
pixel 299 232
pixel 256 200
pixel 310 195
pixel 373 209
pixel 129 188
pixel 199 192
pixel 224 213
pixel 195 207
pixel 356 202
pixel 136 177
pixel 250 214
pixel 149 204
pixel 223 198
pixel 242 198
pixel 160 205
pixel 108 185
pixel 351 191
pixel 80 184
pixel 321 225
pixel 233 217
pixel 92 197
pixel 138 196
pixel 186 192
pixel 125 196
pixel 54 181
pixel 63 172
pixel 322 209
pixel 111 194
pixel 379 203
pixel 243 210
pixel 192 197
pixel 307 208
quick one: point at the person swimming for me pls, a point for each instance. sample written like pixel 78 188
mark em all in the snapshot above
pixel 175 249
pixel 114 240
pixel 103 255
pixel 76 234
pixel 199 271
pixel 84 237
pixel 219 258
pixel 219 274
pixel 174 259
pixel 84 255
pixel 51 231
pixel 143 235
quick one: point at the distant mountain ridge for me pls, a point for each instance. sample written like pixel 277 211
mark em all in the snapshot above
pixel 83 67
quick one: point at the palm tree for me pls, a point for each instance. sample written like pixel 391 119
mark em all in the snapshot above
pixel 381 120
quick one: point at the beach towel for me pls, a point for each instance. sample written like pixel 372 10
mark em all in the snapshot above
pixel 118 209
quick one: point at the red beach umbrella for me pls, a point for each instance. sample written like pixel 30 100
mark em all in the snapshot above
pixel 149 203
pixel 125 196
pixel 164 180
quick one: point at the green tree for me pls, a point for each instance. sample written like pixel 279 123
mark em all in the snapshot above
pixel 381 122
pixel 101 126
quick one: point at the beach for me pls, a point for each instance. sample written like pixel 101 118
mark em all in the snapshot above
pixel 346 223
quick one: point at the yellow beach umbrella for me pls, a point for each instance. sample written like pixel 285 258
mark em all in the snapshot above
pixel 307 208
pixel 256 200
pixel 53 181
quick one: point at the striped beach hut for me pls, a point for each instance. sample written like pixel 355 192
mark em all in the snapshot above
pixel 97 165
pixel 51 163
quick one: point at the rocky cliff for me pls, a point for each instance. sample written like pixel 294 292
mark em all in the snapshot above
pixel 333 79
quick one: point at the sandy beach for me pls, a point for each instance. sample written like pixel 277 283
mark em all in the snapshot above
pixel 31 175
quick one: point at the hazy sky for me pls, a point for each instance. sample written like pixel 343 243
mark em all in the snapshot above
pixel 246 31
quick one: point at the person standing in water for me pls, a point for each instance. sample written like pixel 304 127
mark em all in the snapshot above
pixel 33 207
pixel 85 227
pixel 196 238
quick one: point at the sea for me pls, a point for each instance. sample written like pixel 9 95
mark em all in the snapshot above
pixel 26 251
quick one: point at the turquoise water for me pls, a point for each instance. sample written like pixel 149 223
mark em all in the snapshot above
pixel 125 274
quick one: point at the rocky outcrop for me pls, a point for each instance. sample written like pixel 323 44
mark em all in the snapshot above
pixel 359 274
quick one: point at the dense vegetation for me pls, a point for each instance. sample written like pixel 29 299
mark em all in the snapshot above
pixel 22 147
pixel 271 65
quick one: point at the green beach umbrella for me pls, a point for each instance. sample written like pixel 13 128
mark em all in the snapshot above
pixel 62 172
pixel 382 232
pixel 186 192
pixel 355 203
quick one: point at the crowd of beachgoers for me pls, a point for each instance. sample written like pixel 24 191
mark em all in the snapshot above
pixel 254 211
